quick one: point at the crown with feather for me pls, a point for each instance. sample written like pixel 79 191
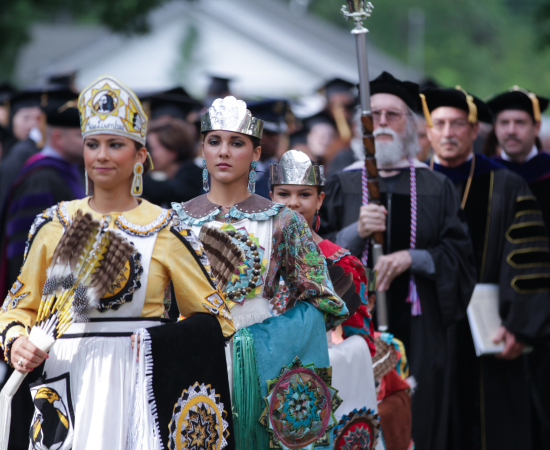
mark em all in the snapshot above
pixel 108 107
pixel 295 167
pixel 230 114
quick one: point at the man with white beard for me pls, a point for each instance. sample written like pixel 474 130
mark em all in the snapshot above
pixel 436 268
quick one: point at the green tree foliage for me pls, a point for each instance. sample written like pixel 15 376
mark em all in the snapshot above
pixel 485 46
pixel 17 16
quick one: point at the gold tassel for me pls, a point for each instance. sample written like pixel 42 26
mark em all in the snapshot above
pixel 534 100
pixel 341 123
pixel 472 108
pixel 426 111
pixel 151 165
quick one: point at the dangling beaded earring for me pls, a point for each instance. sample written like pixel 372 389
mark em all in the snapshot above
pixel 137 183
pixel 86 181
pixel 317 222
pixel 205 184
pixel 252 177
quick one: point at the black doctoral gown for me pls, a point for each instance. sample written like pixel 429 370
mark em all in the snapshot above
pixel 511 250
pixel 536 172
pixel 429 339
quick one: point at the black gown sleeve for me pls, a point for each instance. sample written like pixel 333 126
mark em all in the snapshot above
pixel 525 268
pixel 453 258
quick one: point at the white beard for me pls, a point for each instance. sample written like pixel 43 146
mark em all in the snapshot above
pixel 389 153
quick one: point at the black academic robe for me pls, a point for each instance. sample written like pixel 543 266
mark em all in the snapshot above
pixel 429 339
pixel 511 250
pixel 12 163
pixel 185 186
pixel 536 172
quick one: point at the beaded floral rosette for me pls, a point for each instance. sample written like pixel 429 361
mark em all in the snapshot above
pixel 247 281
pixel 358 430
pixel 300 407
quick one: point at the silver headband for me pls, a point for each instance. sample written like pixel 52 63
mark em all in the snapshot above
pixel 230 114
pixel 295 167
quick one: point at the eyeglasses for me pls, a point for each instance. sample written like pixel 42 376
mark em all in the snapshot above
pixel 392 116
pixel 455 125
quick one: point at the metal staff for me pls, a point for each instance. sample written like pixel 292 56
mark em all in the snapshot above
pixel 358 11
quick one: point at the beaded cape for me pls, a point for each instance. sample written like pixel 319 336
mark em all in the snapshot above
pixel 295 256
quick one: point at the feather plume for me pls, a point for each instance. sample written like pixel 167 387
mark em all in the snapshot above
pixel 225 257
pixel 85 263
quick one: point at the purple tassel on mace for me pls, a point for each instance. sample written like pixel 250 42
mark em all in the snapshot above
pixel 413 299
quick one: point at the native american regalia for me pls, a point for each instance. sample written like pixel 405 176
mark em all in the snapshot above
pixel 444 287
pixel 90 367
pixel 278 243
pixel 510 246
pixel 93 392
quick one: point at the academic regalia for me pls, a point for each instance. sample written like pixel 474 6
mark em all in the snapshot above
pixel 510 248
pixel 429 338
pixel 536 172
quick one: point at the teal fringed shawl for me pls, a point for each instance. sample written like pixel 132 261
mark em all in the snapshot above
pixel 247 403
pixel 259 354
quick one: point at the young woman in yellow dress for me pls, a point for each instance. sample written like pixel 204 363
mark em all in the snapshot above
pixel 83 399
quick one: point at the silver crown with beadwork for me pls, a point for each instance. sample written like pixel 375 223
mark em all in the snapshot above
pixel 230 114
pixel 295 167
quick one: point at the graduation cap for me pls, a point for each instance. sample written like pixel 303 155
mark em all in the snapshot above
pixel 337 85
pixel 219 87
pixel 6 91
pixel 65 79
pixel 320 117
pixel 61 109
pixel 298 137
pixel 407 91
pixel 273 112
pixel 175 102
pixel 434 98
pixel 520 99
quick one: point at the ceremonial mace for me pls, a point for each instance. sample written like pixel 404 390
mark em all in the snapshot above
pixel 358 11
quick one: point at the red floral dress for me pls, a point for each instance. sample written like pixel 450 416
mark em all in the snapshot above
pixel 361 322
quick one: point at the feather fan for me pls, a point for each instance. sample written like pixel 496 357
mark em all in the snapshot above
pixel 85 263
pixel 225 257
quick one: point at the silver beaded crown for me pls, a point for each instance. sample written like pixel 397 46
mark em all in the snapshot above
pixel 230 114
pixel 295 167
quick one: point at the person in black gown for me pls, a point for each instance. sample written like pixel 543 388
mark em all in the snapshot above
pixel 511 250
pixel 441 262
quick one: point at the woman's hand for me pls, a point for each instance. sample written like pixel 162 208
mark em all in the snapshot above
pixel 25 356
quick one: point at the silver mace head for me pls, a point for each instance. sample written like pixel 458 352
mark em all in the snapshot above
pixel 357 10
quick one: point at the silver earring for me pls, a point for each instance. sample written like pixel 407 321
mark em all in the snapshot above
pixel 252 177
pixel 137 182
pixel 205 184
pixel 86 181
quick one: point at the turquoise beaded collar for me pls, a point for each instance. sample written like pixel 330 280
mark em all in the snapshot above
pixel 200 210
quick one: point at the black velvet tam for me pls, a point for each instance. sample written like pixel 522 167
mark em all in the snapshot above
pixel 436 98
pixel 407 91
pixel 515 100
